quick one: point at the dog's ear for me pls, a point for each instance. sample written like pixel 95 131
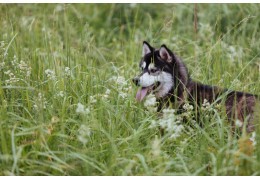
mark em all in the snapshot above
pixel 147 48
pixel 165 53
pixel 181 70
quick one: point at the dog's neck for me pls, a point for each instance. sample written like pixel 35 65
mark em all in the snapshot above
pixel 175 97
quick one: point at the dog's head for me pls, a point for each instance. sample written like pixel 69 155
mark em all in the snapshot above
pixel 161 72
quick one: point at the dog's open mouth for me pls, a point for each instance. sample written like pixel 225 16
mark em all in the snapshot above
pixel 144 91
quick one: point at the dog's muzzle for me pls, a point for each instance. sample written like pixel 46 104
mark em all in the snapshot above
pixel 144 91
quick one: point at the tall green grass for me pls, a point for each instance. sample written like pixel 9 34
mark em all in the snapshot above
pixel 67 103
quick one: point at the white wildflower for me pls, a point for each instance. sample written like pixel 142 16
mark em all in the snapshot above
pixel 188 113
pixel 150 100
pixel 177 131
pixel 206 106
pixel 168 112
pixel 121 85
pixel 123 95
pixel 193 122
pixel 238 123
pixel 50 74
pixel 60 94
pixel 127 88
pixel 92 99
pixel 40 96
pixel 67 71
pixel 84 134
pixel 107 92
pixel 156 147
pixel 120 80
pixel 104 96
pixel 14 61
pixel 188 107
pixel 150 103
pixel 12 79
pixel 152 109
pixel 205 103
pixel 81 109
pixel 35 107
pixel 170 122
pixel 25 68
pixel 40 102
pixel 7 72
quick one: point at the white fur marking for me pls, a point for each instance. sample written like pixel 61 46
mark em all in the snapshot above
pixel 165 79
pixel 166 85
pixel 144 65
pixel 148 80
pixel 151 65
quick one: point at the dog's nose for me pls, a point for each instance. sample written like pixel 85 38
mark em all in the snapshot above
pixel 136 81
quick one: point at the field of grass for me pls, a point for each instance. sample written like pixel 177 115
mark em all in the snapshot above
pixel 67 104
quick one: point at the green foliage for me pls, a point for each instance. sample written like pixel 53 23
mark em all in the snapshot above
pixel 67 104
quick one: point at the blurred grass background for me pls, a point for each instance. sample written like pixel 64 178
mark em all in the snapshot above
pixel 55 56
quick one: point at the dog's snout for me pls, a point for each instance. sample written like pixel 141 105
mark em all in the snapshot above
pixel 136 81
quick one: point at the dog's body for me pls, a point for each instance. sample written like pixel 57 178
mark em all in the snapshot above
pixel 165 75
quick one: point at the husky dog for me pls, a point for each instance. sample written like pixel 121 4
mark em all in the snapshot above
pixel 166 76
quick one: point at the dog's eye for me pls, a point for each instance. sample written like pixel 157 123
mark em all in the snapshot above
pixel 153 70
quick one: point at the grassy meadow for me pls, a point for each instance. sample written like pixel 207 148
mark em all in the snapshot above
pixel 67 103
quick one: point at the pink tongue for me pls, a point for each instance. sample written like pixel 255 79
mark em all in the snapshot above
pixel 141 93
